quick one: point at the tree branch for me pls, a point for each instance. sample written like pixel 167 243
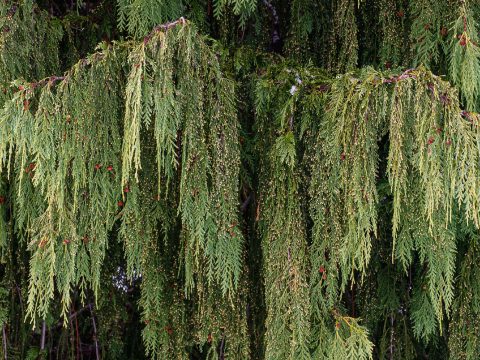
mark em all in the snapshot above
pixel 164 27
pixel 97 353
pixel 42 341
pixel 276 39
pixel 247 201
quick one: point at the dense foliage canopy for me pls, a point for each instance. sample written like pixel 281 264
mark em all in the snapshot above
pixel 240 179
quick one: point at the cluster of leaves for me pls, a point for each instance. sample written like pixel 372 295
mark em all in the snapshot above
pixel 81 150
pixel 28 43
pixel 178 102
pixel 298 320
pixel 138 17
pixel 282 227
pixel 241 8
pixel 465 55
pixel 336 127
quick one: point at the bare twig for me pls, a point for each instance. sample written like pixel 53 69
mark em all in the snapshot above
pixel 19 297
pixel 42 341
pixel 276 40
pixel 164 27
pixel 221 352
pixel 247 201
pixel 405 75
pixel 97 353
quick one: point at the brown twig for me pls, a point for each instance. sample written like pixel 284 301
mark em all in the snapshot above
pixel 164 27
pixel 49 80
pixel 276 39
pixel 247 201
pixel 42 340
pixel 97 353
pixel 405 75
pixel 221 352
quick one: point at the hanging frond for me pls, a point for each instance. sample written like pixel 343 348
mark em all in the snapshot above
pixel 138 17
pixel 465 55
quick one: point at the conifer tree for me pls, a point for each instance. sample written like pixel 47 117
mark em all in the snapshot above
pixel 239 179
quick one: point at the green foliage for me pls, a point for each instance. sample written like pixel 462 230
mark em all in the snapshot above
pixel 205 118
pixel 428 177
pixel 241 8
pixel 463 343
pixel 351 341
pixel 71 174
pixel 465 55
pixel 343 54
pixel 28 43
pixel 138 17
pixel 189 193
pixel 283 224
pixel 427 31
pixel 392 50
pixel 80 155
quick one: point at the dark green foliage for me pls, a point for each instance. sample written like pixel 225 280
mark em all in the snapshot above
pixel 239 179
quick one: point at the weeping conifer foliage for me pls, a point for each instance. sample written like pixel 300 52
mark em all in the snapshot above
pixel 333 131
pixel 144 136
pixel 180 105
pixel 27 36
pixel 239 179
pixel 139 17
